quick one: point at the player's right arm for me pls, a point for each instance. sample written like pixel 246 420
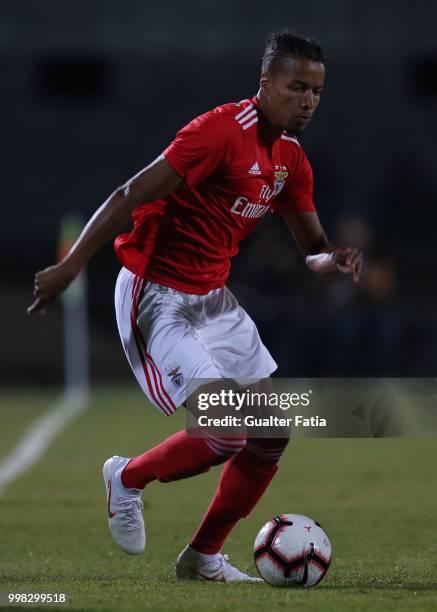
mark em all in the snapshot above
pixel 154 182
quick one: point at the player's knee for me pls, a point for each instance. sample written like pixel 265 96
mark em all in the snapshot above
pixel 226 447
pixel 267 449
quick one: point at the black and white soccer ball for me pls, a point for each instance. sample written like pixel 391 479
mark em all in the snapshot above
pixel 292 550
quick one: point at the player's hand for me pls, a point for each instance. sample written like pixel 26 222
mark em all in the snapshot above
pixel 48 285
pixel 349 260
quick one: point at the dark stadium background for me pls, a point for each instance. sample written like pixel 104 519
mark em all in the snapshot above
pixel 93 90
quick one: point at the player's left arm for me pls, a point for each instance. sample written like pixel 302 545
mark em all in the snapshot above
pixel 320 256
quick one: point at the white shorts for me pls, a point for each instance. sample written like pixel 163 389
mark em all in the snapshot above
pixel 174 340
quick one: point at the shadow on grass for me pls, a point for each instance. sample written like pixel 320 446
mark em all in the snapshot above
pixel 382 586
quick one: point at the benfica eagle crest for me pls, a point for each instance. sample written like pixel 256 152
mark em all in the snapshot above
pixel 177 378
pixel 281 174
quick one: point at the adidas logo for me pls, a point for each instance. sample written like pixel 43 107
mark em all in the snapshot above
pixel 255 169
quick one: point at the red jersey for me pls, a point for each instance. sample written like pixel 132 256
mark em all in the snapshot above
pixel 234 174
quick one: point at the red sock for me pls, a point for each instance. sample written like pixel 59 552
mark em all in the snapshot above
pixel 180 456
pixel 243 481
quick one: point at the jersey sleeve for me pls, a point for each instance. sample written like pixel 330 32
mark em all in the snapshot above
pixel 199 149
pixel 297 195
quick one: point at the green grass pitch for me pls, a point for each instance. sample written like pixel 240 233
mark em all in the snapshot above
pixel 377 500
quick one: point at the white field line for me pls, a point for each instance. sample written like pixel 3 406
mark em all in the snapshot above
pixel 39 437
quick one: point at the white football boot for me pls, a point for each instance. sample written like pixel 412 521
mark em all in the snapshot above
pixel 125 518
pixel 196 566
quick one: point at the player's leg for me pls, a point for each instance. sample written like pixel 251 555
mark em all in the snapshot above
pixel 243 481
pixel 185 453
pixel 179 456
pixel 247 475
pixel 157 337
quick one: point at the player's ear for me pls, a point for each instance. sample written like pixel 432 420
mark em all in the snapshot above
pixel 265 82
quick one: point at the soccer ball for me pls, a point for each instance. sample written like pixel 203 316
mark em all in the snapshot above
pixel 292 550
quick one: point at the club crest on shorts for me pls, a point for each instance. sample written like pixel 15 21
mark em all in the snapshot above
pixel 175 375
pixel 281 174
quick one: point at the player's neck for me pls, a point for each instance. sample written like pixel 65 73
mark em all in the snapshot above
pixel 270 131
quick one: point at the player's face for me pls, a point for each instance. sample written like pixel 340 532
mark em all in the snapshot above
pixel 290 93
